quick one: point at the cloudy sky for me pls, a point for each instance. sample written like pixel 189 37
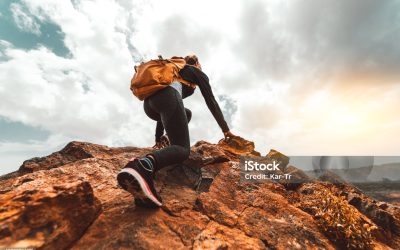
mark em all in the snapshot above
pixel 303 77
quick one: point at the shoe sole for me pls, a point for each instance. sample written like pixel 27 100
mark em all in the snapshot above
pixel 130 180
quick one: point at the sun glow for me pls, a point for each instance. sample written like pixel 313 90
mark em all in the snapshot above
pixel 327 111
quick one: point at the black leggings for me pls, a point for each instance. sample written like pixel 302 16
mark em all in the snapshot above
pixel 166 106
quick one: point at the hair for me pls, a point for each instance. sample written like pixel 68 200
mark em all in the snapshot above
pixel 191 59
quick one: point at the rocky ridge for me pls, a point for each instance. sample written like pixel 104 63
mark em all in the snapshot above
pixel 71 200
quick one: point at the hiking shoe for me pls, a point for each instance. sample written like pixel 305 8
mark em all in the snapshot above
pixel 145 202
pixel 138 180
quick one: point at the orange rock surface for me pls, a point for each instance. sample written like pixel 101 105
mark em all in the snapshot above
pixel 71 200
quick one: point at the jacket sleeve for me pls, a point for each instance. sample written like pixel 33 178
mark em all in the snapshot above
pixel 187 91
pixel 195 75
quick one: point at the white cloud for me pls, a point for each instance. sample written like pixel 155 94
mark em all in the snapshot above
pixel 24 20
pixel 305 77
pixel 13 154
pixel 3 46
pixel 86 96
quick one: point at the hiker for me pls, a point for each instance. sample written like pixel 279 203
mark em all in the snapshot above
pixel 166 107
pixel 162 140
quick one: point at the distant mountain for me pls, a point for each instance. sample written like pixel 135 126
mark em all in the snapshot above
pixel 389 171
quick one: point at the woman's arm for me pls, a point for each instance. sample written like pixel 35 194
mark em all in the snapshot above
pixel 195 75
pixel 159 131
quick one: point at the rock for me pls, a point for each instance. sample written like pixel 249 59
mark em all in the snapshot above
pixel 260 211
pixel 47 216
pixel 210 153
pixel 217 236
pixel 71 200
pixel 208 173
pixel 205 182
pixel 331 177
pixel 282 159
pixel 238 146
pixel 73 151
pixel 377 212
pixel 297 178
pixel 386 223
pixel 383 205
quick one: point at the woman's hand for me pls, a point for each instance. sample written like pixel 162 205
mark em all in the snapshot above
pixel 158 145
pixel 162 142
pixel 228 135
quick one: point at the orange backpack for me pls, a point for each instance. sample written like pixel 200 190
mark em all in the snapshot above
pixel 157 74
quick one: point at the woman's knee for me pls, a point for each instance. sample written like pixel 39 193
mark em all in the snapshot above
pixel 185 152
pixel 150 112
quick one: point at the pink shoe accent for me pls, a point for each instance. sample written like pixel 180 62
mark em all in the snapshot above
pixel 132 159
pixel 143 185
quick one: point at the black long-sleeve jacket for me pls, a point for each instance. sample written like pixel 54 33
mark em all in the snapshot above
pixel 198 77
